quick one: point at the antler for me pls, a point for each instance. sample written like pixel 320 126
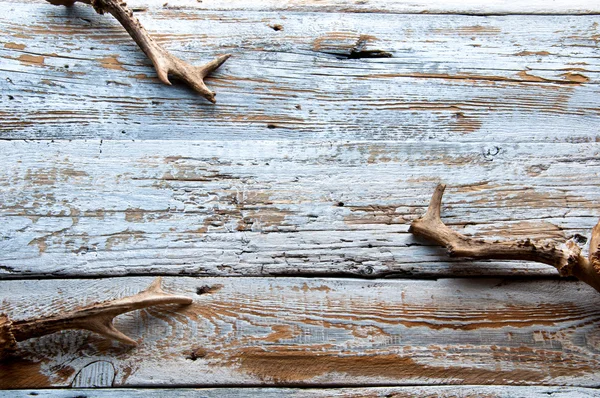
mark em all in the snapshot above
pixel 163 61
pixel 566 257
pixel 97 318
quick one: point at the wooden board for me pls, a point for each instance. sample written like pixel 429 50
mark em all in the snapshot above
pixel 271 208
pixel 334 123
pixel 294 331
pixel 372 392
pixel 467 7
pixel 324 76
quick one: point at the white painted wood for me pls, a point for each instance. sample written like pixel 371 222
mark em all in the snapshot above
pixel 75 74
pixel 371 392
pixel 269 208
pixel 312 163
pixel 470 7
pixel 267 331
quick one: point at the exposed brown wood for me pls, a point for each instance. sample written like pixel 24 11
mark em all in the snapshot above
pixel 430 7
pixel 281 208
pixel 282 331
pixel 331 82
pixel 334 124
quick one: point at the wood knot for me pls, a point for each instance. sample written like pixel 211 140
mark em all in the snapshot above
pixel 197 353
pixel 208 289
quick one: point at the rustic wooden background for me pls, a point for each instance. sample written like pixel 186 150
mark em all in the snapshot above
pixel 283 210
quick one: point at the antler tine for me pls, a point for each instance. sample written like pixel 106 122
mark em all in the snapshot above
pixel 97 317
pixel 430 225
pixel 434 210
pixel 164 62
pixel 565 257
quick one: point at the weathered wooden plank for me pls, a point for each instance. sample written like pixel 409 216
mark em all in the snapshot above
pixel 74 74
pixel 370 392
pixel 271 208
pixel 320 331
pixel 469 7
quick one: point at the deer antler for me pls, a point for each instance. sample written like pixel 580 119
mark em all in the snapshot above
pixel 566 257
pixel 163 61
pixel 97 318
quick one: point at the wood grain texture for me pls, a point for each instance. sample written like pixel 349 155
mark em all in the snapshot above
pixel 294 331
pixel 335 121
pixel 371 392
pixel 468 7
pixel 271 208
pixel 322 76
